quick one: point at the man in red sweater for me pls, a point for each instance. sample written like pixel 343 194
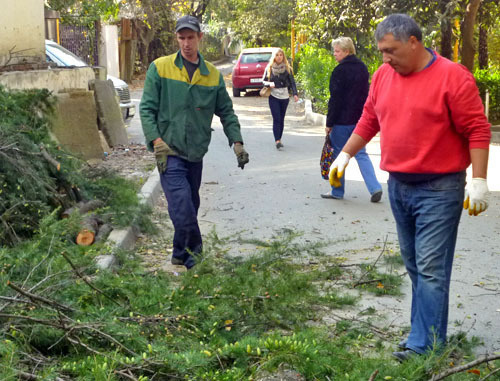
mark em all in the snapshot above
pixel 432 126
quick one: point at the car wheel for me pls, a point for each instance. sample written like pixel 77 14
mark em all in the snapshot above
pixel 236 92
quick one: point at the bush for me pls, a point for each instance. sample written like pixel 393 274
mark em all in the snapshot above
pixel 315 67
pixel 489 79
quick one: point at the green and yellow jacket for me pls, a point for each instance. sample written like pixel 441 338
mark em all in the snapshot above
pixel 180 111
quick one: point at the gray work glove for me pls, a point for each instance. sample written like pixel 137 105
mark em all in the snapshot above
pixel 241 155
pixel 162 150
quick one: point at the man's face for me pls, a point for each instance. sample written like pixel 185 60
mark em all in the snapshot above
pixel 399 54
pixel 189 40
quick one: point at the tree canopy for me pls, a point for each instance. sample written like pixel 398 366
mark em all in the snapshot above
pixel 265 23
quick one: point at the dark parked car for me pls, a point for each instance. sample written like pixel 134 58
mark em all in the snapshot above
pixel 62 57
pixel 249 69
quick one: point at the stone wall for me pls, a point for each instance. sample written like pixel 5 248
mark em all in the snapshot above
pixel 54 79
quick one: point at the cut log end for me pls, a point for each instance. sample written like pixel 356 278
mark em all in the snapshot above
pixel 85 238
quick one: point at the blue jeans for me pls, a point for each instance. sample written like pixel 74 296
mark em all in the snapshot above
pixel 338 138
pixel 278 111
pixel 427 216
pixel 181 183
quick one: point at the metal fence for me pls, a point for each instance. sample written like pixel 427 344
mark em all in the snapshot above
pixel 82 41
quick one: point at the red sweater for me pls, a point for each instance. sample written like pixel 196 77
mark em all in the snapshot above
pixel 428 120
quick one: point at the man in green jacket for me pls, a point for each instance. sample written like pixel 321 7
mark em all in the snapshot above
pixel 182 92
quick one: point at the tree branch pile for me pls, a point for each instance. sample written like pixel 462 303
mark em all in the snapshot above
pixel 36 176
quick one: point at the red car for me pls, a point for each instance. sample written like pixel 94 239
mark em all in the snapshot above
pixel 249 69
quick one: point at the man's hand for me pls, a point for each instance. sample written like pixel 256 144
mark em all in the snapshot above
pixel 161 150
pixel 476 195
pixel 337 168
pixel 241 154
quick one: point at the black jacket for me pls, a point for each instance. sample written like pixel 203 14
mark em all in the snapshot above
pixel 284 79
pixel 348 92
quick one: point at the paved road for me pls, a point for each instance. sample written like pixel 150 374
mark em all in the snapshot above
pixel 281 189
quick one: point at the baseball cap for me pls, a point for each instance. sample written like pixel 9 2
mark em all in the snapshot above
pixel 190 22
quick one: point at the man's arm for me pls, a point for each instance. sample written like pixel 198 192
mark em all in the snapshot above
pixel 479 158
pixel 149 106
pixel 354 144
pixel 351 148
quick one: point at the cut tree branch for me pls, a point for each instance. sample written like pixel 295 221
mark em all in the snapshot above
pixel 82 277
pixel 39 298
pixel 461 368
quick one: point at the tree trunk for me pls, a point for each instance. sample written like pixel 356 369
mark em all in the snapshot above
pixel 483 40
pixel 468 49
pixel 446 31
pixel 446 39
pixel 83 207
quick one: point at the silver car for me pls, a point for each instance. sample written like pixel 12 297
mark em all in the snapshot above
pixel 62 57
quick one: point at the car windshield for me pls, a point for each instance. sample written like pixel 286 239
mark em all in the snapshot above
pixel 63 57
pixel 255 57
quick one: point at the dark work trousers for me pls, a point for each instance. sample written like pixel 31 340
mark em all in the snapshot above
pixel 278 110
pixel 181 183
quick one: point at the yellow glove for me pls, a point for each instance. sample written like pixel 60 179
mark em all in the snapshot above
pixel 476 194
pixel 162 150
pixel 337 168
pixel 241 155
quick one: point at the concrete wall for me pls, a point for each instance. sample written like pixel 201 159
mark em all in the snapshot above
pixel 54 79
pixel 22 31
pixel 108 50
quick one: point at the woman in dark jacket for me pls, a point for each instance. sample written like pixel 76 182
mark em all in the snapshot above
pixel 348 92
pixel 278 75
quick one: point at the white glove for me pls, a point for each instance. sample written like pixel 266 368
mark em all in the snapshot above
pixel 337 168
pixel 476 195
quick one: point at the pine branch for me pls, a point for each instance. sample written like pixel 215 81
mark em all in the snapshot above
pixel 38 298
pixel 82 277
pixel 461 368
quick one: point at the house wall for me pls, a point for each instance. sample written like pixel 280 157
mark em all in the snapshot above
pixel 22 28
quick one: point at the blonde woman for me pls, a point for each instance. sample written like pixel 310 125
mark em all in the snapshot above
pixel 279 77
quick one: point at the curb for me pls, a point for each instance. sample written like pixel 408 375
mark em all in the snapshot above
pixel 125 238
pixel 313 117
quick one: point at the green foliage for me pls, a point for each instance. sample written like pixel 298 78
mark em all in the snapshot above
pixel 324 20
pixel 315 67
pixel 211 43
pixel 489 79
pixel 120 196
pixel 229 318
pixel 256 23
pixel 25 180
pixel 85 12
pixel 32 188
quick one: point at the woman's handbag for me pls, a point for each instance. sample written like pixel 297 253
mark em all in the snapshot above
pixel 265 91
pixel 326 158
